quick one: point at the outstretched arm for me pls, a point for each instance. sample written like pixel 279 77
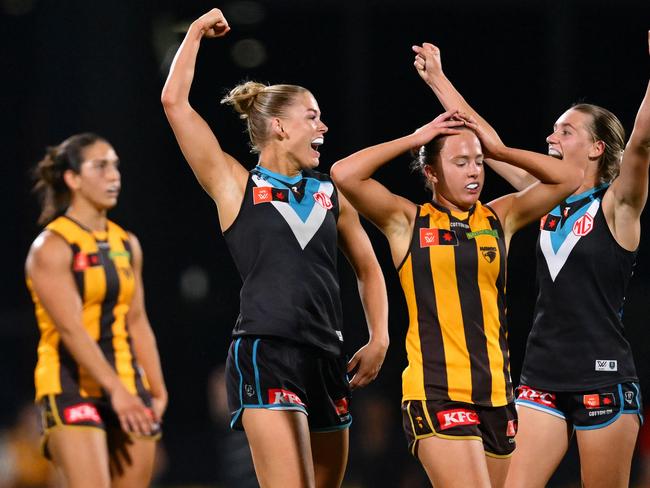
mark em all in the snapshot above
pixel 356 246
pixel 392 214
pixel 222 177
pixel 556 179
pixel 143 338
pixel 428 64
pixel 630 189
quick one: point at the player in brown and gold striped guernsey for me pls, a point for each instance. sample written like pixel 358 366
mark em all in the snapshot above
pixel 98 379
pixel 457 403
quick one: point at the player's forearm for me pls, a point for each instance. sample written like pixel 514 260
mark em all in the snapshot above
pixel 146 352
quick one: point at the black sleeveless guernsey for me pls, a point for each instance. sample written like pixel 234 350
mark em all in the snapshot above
pixel 284 244
pixel 577 341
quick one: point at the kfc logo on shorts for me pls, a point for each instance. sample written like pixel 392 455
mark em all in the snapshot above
pixel 583 225
pixel 540 397
pixel 84 412
pixel 511 428
pixel 279 396
pixel 262 194
pixel 454 418
pixel 323 200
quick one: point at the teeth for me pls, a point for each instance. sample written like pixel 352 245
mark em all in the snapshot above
pixel 318 141
pixel 472 186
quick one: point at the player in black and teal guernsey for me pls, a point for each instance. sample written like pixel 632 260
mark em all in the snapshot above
pixel 578 374
pixel 283 221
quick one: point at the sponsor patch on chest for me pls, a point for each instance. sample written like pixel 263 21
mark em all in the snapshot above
pixel 82 261
pixel 583 225
pixel 265 194
pixel 437 237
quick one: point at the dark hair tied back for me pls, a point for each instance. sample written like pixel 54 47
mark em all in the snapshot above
pixel 50 186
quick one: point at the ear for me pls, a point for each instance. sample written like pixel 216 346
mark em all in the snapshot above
pixel 597 150
pixel 277 128
pixel 71 179
pixel 430 174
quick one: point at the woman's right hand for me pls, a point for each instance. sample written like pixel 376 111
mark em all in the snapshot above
pixel 213 24
pixel 133 413
pixel 443 124
pixel 427 61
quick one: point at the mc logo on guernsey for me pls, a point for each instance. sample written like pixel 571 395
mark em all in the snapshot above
pixel 454 418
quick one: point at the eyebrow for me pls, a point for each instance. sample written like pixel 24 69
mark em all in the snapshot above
pixel 564 124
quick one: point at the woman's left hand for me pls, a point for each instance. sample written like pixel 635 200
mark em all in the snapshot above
pixel 158 406
pixel 490 140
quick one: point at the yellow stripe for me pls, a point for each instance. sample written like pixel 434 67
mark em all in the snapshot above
pixel 426 415
pixel 498 456
pixel 450 315
pixel 123 356
pixel 55 410
pixel 413 375
pixel 488 274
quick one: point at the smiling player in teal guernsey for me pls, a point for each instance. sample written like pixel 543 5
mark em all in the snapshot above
pixel 286 369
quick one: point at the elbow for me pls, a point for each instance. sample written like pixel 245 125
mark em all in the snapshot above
pixel 337 173
pixel 169 99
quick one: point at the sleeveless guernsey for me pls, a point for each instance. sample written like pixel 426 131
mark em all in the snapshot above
pixel 101 266
pixel 284 244
pixel 453 279
pixel 577 341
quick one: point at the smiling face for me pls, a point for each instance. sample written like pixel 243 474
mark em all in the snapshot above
pixel 571 137
pixel 458 174
pixel 303 131
pixel 98 181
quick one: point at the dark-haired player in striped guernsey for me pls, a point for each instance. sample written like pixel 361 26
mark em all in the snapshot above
pixel 457 402
pixel 99 384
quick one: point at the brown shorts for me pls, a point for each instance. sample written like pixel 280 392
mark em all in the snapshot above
pixel 74 411
pixel 494 426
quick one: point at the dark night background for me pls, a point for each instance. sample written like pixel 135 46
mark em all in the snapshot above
pixel 73 66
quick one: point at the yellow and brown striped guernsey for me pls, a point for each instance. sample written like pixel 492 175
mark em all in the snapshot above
pixel 101 266
pixel 453 279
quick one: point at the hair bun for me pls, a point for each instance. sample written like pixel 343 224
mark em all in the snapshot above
pixel 243 96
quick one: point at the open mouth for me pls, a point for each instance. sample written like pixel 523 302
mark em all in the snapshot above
pixel 472 186
pixel 554 153
pixel 317 142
